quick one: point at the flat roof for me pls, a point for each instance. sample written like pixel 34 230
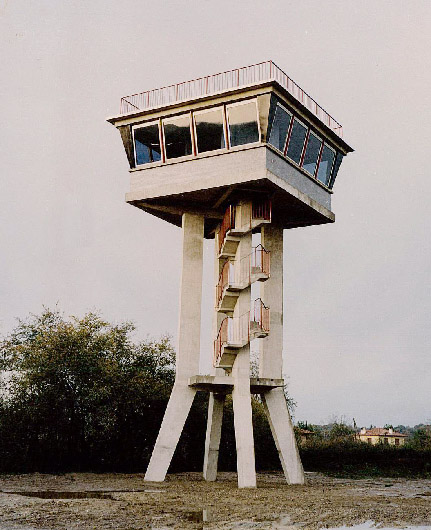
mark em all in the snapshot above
pixel 224 82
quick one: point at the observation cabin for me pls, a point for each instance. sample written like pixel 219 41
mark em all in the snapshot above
pixel 200 145
pixel 227 156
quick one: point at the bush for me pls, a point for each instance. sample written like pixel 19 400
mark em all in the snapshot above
pixel 354 458
pixel 82 395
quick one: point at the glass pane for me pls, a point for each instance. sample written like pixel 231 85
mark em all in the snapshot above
pixel 243 128
pixel 338 160
pixel 325 166
pixel 280 126
pixel 296 142
pixel 311 154
pixel 147 144
pixel 210 130
pixel 178 141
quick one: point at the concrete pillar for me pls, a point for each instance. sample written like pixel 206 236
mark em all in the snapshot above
pixel 213 435
pixel 271 359
pixel 271 292
pixel 280 422
pixel 188 351
pixel 216 401
pixel 241 397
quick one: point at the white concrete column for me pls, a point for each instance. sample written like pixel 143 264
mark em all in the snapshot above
pixel 187 363
pixel 213 435
pixel 271 291
pixel 280 422
pixel 271 359
pixel 189 328
pixel 172 426
pixel 241 397
pixel 216 401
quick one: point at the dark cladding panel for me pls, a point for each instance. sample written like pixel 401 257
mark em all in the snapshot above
pixel 126 137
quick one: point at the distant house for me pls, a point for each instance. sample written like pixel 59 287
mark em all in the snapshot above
pixel 378 435
pixel 304 435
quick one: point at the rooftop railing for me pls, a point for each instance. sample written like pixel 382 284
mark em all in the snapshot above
pixel 230 80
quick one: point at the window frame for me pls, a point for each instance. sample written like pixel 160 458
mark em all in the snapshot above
pixel 325 144
pixel 142 126
pixel 192 139
pixel 292 117
pixel 319 154
pixel 204 111
pixel 237 104
pixel 307 128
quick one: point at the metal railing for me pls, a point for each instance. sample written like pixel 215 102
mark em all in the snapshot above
pixel 257 262
pixel 233 330
pixel 258 210
pixel 254 74
pixel 227 224
pixel 238 331
pixel 261 210
pixel 260 260
pixel 261 315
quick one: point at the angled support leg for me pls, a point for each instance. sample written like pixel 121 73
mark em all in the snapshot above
pixel 271 360
pixel 188 348
pixel 282 431
pixel 172 426
pixel 212 440
pixel 242 417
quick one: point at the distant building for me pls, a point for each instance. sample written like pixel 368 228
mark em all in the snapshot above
pixel 379 435
pixel 305 435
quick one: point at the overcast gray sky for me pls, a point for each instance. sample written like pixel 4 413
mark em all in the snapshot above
pixel 357 292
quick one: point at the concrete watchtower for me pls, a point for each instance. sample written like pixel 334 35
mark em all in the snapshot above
pixel 225 156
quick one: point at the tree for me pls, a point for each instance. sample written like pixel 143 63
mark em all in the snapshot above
pixel 81 395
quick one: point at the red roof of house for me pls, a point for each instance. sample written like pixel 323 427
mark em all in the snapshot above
pixel 378 431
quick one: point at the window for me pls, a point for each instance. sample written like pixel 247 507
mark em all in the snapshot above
pixel 280 127
pixel 209 129
pixel 312 153
pixel 325 164
pixel 178 139
pixel 369 440
pixel 337 164
pixel 243 126
pixel 147 144
pixel 296 142
pixel 397 441
pixel 386 441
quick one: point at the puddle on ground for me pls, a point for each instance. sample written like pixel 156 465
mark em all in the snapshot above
pixel 101 494
pixel 371 525
pixel 63 494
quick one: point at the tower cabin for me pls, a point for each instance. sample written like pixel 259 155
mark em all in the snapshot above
pixel 201 145
pixel 225 156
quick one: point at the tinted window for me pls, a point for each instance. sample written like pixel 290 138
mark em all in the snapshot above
pixel 280 126
pixel 243 127
pixel 178 141
pixel 209 130
pixel 311 153
pixel 147 144
pixel 338 160
pixel 325 166
pixel 296 142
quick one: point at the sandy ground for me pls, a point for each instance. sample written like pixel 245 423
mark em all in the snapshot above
pixel 101 501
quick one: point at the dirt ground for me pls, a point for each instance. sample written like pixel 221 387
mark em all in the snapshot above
pixel 105 501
